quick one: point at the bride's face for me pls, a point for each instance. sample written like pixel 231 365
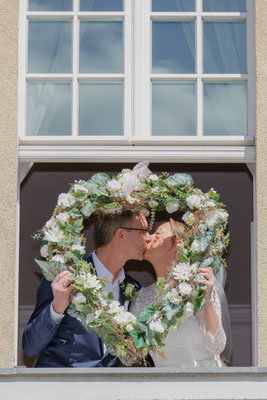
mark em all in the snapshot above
pixel 161 243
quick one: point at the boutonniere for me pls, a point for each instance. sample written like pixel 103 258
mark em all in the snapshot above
pixel 129 291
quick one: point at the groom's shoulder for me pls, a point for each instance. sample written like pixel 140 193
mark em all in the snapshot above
pixel 129 279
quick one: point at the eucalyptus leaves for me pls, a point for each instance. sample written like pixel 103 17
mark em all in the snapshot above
pixel 180 296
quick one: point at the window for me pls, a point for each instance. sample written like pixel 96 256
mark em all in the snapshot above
pixel 137 71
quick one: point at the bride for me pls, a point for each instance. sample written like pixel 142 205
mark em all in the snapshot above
pixel 200 339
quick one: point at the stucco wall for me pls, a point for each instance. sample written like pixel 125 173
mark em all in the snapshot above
pixel 8 173
pixel 261 133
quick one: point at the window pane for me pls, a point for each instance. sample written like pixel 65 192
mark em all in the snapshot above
pixel 224 47
pixel 173 5
pixel 101 5
pixel 173 109
pixel 101 47
pixel 49 108
pixel 50 47
pixel 173 47
pixel 100 108
pixel 50 5
pixel 225 108
pixel 224 5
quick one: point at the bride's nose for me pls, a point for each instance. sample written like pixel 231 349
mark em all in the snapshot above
pixel 147 237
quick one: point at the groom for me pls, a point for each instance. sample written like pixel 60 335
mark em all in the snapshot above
pixel 58 340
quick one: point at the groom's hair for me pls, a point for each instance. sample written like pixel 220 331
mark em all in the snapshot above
pixel 105 225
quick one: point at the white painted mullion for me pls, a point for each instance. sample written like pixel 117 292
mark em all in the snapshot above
pixel 147 59
pixel 199 64
pixel 251 64
pixel 22 61
pixel 128 73
pixel 75 71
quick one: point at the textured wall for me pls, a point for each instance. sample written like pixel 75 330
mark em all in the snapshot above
pixel 8 174
pixel 261 133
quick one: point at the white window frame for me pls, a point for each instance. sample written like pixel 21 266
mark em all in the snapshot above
pixel 137 17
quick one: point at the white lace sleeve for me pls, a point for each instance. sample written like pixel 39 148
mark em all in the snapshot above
pixel 144 297
pixel 214 343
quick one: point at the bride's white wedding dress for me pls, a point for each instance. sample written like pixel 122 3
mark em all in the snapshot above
pixel 190 345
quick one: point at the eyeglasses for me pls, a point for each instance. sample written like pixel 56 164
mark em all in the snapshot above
pixel 134 229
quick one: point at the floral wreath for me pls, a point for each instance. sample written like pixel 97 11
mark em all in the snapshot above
pixel 63 246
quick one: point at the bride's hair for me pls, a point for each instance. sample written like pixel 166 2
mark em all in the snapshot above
pixel 178 229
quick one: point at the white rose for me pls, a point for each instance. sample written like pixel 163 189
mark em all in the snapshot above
pixel 54 234
pixel 139 186
pixel 129 328
pixel 125 177
pixel 174 297
pixel 153 177
pixel 156 326
pixel 91 282
pixel 58 258
pixel 130 199
pixel 115 307
pixel 172 207
pixel 66 200
pixel 211 218
pixel 77 187
pixel 63 218
pixel 188 309
pixel 44 250
pixel 78 247
pixel 91 187
pixel 78 299
pixel 153 203
pixel 124 318
pixel 223 215
pixel 89 318
pixel 185 288
pixel 113 186
pixel 182 272
pixel 195 246
pixel 210 203
pixel 193 201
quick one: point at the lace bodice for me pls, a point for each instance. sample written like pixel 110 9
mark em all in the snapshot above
pixel 191 344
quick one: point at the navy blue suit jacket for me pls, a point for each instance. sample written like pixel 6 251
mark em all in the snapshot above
pixel 67 344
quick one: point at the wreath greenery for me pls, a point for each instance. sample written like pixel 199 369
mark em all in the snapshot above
pixel 63 246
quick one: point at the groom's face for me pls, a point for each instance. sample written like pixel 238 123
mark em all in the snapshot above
pixel 136 240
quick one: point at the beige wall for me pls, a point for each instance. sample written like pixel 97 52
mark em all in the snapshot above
pixel 261 133
pixel 8 174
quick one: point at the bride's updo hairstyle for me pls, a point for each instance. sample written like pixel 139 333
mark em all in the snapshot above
pixel 178 229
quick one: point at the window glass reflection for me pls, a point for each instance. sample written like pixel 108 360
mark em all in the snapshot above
pixel 101 108
pixel 224 5
pixel 224 47
pixel 173 47
pixel 48 108
pixel 101 47
pixel 225 108
pixel 101 5
pixel 50 5
pixel 173 109
pixel 173 5
pixel 50 47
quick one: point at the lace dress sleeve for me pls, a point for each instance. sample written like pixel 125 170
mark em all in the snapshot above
pixel 144 297
pixel 213 343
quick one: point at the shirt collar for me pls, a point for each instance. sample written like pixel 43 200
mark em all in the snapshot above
pixel 103 272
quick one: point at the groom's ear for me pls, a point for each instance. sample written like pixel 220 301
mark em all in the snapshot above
pixel 119 235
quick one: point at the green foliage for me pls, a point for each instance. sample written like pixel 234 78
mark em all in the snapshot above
pixel 50 269
pixel 207 262
pixel 180 180
pixel 205 239
pixel 216 265
pixel 146 313
pixel 200 301
pixel 139 339
pixel 213 195
pixel 160 285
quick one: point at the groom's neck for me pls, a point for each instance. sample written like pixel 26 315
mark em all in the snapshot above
pixel 111 259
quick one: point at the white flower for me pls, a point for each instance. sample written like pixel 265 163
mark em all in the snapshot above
pixel 115 307
pixel 185 288
pixel 139 186
pixel 174 297
pixel 89 318
pixel 172 207
pixel 211 218
pixel 44 250
pixel 188 309
pixel 124 318
pixel 156 326
pixel 130 199
pixel 129 328
pixel 194 268
pixel 129 289
pixel 195 246
pixel 91 282
pixel 66 200
pixel 54 234
pixel 210 203
pixel 113 185
pixel 63 218
pixel 87 208
pixel 58 258
pixel 91 187
pixel 125 177
pixel 153 177
pixel 188 218
pixel 77 187
pixel 182 272
pixel 78 299
pixel 153 203
pixel 193 201
pixel 98 313
pixel 51 223
pixel 223 215
pixel 78 247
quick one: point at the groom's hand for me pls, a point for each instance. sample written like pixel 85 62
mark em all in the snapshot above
pixel 61 290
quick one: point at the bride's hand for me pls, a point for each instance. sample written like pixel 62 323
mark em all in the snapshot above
pixel 209 282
